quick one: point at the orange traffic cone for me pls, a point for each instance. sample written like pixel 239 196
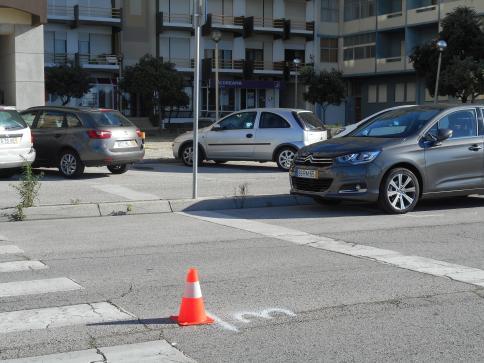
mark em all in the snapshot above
pixel 192 309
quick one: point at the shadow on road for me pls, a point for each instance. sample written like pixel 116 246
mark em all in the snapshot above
pixel 154 321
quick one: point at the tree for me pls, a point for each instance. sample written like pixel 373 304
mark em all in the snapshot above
pixel 157 81
pixel 67 81
pixel 462 30
pixel 326 88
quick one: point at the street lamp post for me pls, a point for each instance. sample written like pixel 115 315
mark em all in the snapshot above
pixel 441 45
pixel 296 62
pixel 216 37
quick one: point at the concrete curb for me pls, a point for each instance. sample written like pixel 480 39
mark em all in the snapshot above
pixel 156 207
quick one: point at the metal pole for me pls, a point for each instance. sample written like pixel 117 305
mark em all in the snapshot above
pixel 437 80
pixel 295 90
pixel 216 83
pixel 196 94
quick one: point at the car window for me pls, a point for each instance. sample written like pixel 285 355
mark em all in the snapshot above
pixel 50 120
pixel 309 121
pixel 72 121
pixel 462 123
pixel 29 117
pixel 270 120
pixel 110 118
pixel 397 123
pixel 239 121
pixel 11 120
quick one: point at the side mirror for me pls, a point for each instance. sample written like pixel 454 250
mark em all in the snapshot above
pixel 217 127
pixel 444 134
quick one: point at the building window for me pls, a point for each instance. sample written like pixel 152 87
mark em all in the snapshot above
pixel 358 9
pixel 411 92
pixel 400 92
pixel 359 46
pixel 372 90
pixel 382 93
pixel 329 50
pixel 330 11
pixel 84 43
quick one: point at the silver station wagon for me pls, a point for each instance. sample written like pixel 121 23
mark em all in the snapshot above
pixel 268 134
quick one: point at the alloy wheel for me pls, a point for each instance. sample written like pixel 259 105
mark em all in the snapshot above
pixel 187 155
pixel 285 158
pixel 401 191
pixel 68 164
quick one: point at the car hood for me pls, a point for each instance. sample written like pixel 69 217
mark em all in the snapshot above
pixel 347 145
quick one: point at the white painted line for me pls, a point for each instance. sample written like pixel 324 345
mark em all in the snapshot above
pixel 15 266
pixel 149 352
pixel 425 265
pixel 10 249
pixel 33 287
pixel 47 318
pixel 264 314
pixel 126 193
pixel 223 324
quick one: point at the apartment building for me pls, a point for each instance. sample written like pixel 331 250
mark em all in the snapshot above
pixel 21 49
pixel 86 32
pixel 370 41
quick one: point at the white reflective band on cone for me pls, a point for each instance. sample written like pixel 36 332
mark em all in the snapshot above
pixel 192 290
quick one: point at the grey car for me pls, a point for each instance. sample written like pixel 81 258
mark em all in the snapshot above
pixel 398 158
pixel 268 134
pixel 73 138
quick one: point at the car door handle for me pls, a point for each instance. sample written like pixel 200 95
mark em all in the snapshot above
pixel 249 136
pixel 475 147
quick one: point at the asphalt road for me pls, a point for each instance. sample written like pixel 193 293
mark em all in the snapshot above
pixel 271 277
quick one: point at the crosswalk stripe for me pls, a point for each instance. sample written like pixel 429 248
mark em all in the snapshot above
pixel 148 352
pixel 9 249
pixel 24 320
pixel 32 287
pixel 14 266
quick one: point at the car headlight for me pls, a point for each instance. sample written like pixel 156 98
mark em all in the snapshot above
pixel 358 158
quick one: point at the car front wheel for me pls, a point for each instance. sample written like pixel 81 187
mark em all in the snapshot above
pixel 284 157
pixel 399 192
pixel 186 155
pixel 118 169
pixel 70 165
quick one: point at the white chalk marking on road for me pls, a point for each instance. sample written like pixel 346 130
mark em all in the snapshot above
pixel 148 352
pixel 10 249
pixel 33 287
pixel 416 215
pixel 264 314
pixel 126 193
pixel 425 265
pixel 223 324
pixel 14 266
pixel 47 318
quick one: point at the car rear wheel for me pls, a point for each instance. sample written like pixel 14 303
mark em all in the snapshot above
pixel 399 192
pixel 70 165
pixel 285 157
pixel 118 169
pixel 186 155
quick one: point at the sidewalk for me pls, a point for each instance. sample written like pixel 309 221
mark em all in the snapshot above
pixel 159 148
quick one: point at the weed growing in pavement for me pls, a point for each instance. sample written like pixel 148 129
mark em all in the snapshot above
pixel 241 193
pixel 129 208
pixel 76 201
pixel 28 191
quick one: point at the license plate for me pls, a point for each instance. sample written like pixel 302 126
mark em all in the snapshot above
pixel 9 140
pixel 125 144
pixel 307 173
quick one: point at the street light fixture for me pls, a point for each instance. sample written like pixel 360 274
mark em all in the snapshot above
pixel 216 37
pixel 441 45
pixel 296 62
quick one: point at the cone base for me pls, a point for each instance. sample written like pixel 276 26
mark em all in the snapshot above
pixel 207 321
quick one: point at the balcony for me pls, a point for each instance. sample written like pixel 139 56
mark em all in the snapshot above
pixel 87 15
pixel 235 24
pixel 359 66
pixel 171 21
pixel 268 25
pixel 102 62
pixel 302 27
pixel 422 15
pixel 392 20
pixel 392 64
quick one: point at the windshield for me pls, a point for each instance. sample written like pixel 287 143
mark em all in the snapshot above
pixel 11 120
pixel 111 118
pixel 397 123
pixel 310 121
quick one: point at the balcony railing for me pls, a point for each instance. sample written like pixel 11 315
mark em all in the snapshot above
pixel 182 62
pixel 177 18
pixel 300 24
pixel 84 11
pixel 227 20
pixel 82 59
pixel 268 22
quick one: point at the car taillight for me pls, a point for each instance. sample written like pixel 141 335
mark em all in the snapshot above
pixel 99 134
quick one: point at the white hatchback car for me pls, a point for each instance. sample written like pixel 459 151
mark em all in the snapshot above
pixel 265 134
pixel 16 146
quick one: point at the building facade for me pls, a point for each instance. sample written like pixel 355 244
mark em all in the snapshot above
pixel 370 41
pixel 21 52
